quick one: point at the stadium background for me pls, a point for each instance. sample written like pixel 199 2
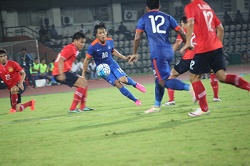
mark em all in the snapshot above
pixel 20 22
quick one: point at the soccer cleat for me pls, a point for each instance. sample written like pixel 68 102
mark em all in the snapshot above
pixel 33 102
pixel 88 109
pixel 153 109
pixel 140 87
pixel 170 103
pixel 74 111
pixel 216 100
pixel 12 111
pixel 198 112
pixel 137 102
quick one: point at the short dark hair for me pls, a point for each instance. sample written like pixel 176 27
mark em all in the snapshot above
pixel 3 51
pixel 78 35
pixel 101 25
pixel 23 49
pixel 153 4
pixel 183 19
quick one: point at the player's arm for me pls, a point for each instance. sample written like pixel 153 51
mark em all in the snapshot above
pixel 137 39
pixel 176 45
pixel 119 55
pixel 23 75
pixel 182 33
pixel 220 32
pixel 190 29
pixel 85 65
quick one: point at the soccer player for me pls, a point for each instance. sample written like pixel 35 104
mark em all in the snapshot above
pixel 204 23
pixel 62 74
pixel 101 49
pixel 13 76
pixel 157 26
pixel 183 66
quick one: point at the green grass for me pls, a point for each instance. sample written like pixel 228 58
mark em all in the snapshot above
pixel 117 133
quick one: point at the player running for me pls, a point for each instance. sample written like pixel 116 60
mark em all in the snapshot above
pixel 209 37
pixel 13 76
pixel 157 26
pixel 62 74
pixel 183 66
pixel 102 49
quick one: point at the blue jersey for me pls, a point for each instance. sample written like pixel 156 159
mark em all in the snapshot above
pixel 157 26
pixel 102 53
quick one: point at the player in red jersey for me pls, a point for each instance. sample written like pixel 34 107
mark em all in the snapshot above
pixel 62 74
pixel 183 65
pixel 13 76
pixel 209 36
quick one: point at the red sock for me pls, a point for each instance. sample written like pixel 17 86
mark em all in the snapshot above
pixel 14 98
pixel 77 98
pixel 215 85
pixel 25 105
pixel 171 94
pixel 200 94
pixel 84 97
pixel 237 81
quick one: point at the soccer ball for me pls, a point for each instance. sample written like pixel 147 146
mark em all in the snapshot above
pixel 103 70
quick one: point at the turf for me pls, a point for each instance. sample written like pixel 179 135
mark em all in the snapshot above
pixel 117 133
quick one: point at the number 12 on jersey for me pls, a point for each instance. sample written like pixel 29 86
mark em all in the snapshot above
pixel 157 28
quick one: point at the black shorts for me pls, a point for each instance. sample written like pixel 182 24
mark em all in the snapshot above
pixel 203 62
pixel 183 66
pixel 71 79
pixel 19 100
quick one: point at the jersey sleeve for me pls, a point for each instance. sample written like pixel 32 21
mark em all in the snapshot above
pixel 90 51
pixel 18 68
pixel 173 23
pixel 140 25
pixel 67 52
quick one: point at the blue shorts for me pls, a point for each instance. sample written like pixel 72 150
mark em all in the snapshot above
pixel 161 67
pixel 204 62
pixel 115 73
pixel 71 79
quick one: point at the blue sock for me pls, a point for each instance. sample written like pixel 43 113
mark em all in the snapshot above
pixel 131 82
pixel 176 84
pixel 126 93
pixel 159 93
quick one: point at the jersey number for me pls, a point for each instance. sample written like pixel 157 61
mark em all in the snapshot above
pixel 104 55
pixel 156 28
pixel 208 15
pixel 7 77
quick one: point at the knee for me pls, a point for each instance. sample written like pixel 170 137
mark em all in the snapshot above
pixel 118 84
pixel 123 79
pixel 194 78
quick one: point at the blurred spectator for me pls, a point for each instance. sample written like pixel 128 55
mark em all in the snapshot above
pixel 227 19
pixel 239 18
pixel 89 37
pixel 92 70
pixel 44 72
pixel 76 67
pixel 26 63
pixel 35 69
pixel 49 71
pixel 53 33
pixel 122 28
pixel 244 57
pixel 83 29
pixel 43 34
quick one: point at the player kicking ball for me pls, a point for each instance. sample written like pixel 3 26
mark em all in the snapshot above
pixel 102 49
pixel 13 76
pixel 62 74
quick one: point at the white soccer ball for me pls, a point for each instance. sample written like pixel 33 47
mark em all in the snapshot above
pixel 103 70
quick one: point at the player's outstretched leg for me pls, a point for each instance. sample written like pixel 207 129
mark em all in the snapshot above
pixel 159 93
pixel 30 104
pixel 129 95
pixel 136 85
pixel 237 81
pixel 83 106
pixel 215 86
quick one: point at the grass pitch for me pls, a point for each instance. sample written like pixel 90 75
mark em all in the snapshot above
pixel 117 133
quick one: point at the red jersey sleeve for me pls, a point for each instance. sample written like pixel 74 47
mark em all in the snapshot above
pixel 189 12
pixel 67 52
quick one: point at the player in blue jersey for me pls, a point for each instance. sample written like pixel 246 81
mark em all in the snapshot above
pixel 102 49
pixel 157 26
